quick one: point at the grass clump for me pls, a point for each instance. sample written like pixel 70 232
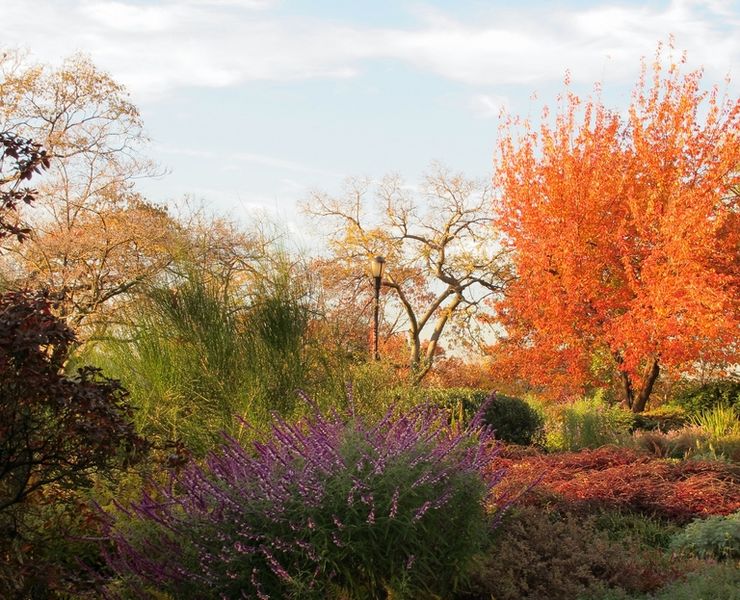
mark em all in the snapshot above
pixel 194 357
pixel 587 423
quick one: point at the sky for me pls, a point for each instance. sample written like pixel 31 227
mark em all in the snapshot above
pixel 251 104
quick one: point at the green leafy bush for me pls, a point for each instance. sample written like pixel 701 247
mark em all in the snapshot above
pixel 58 433
pixel 513 420
pixel 698 397
pixel 711 583
pixel 714 537
pixel 460 403
pixel 648 531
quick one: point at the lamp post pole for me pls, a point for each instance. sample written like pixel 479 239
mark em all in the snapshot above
pixel 377 264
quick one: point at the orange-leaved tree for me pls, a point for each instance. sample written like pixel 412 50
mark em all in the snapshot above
pixel 624 231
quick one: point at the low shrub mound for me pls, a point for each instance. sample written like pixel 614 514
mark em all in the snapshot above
pixel 513 420
pixel 326 508
pixel 620 478
pixel 715 538
pixel 689 442
pixel 714 582
pixel 537 555
pixel 663 418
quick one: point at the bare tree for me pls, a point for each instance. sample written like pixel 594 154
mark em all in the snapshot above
pixel 443 259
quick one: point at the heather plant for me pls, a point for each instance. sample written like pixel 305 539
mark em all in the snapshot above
pixel 536 554
pixel 327 507
pixel 681 443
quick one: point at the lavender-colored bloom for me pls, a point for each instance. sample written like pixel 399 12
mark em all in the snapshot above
pixel 277 511
pixel 394 505
pixel 422 510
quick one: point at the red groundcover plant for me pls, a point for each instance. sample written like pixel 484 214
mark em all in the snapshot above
pixel 619 478
pixel 327 506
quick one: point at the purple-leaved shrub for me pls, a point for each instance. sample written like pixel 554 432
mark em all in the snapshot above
pixel 329 507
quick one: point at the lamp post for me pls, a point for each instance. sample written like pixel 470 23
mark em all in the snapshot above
pixel 377 264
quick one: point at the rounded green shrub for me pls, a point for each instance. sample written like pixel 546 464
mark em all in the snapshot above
pixel 513 420
pixel 714 537
pixel 663 418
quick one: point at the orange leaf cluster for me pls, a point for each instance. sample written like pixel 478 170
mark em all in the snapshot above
pixel 625 234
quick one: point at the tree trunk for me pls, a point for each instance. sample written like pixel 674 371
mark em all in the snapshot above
pixel 414 349
pixel 422 366
pixel 630 402
pixel 648 382
pixel 629 393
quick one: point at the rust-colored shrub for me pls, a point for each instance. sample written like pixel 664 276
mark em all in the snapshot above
pixel 536 554
pixel 619 478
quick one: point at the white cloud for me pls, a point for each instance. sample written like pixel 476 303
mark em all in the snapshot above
pixel 122 17
pixel 488 106
pixel 251 4
pixel 232 160
pixel 159 46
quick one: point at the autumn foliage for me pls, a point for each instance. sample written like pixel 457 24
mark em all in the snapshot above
pixel 625 235
pixel 618 478
pixel 54 428
pixel 25 159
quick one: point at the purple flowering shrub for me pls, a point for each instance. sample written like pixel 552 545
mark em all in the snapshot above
pixel 329 507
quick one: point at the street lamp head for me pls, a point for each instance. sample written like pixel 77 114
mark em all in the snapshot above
pixel 377 264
